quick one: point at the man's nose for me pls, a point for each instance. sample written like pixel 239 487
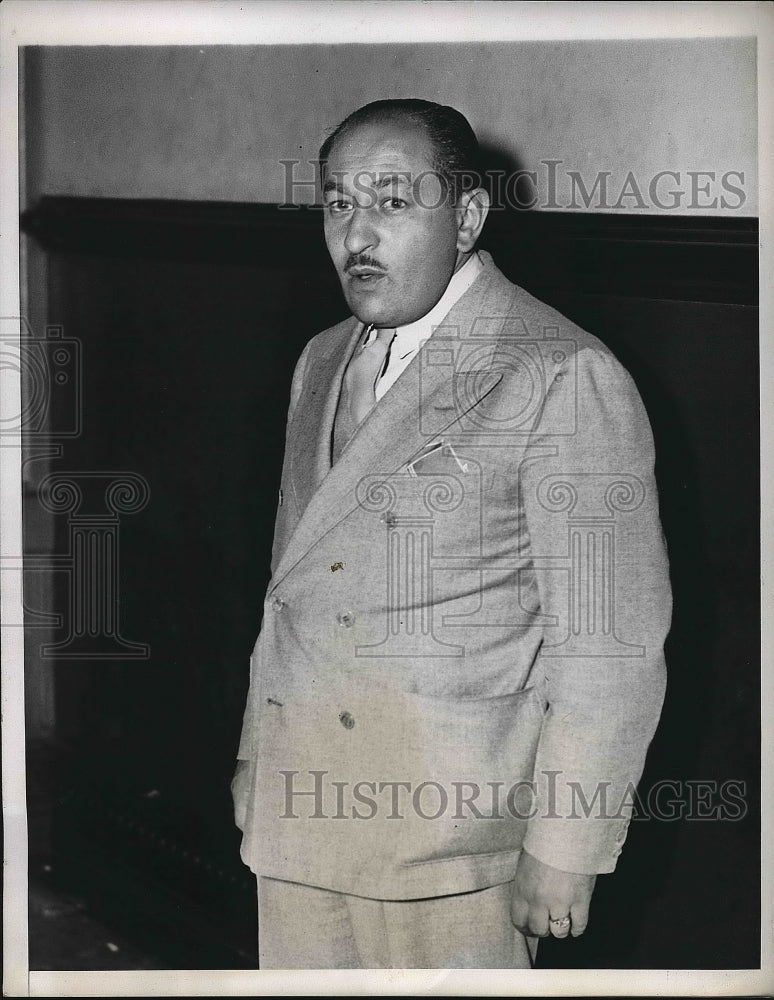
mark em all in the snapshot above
pixel 361 233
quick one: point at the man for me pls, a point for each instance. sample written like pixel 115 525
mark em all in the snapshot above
pixel 460 666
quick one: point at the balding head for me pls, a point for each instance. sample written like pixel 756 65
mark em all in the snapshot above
pixel 455 150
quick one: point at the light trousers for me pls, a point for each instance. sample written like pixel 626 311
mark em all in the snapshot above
pixel 303 927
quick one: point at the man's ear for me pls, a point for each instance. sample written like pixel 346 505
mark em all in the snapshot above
pixel 472 210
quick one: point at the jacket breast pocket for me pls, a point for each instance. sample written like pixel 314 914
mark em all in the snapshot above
pixel 472 763
pixel 443 461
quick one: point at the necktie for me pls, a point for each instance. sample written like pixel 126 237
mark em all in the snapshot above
pixel 364 369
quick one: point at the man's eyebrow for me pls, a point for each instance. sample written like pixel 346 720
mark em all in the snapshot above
pixel 401 176
pixel 382 180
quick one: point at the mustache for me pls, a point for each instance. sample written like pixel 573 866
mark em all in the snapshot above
pixel 362 260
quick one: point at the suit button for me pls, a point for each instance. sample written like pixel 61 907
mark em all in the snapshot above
pixel 277 603
pixel 345 619
pixel 347 720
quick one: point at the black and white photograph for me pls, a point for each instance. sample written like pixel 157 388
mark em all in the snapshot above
pixel 383 396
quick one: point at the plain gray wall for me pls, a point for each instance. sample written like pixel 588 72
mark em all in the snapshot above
pixel 213 123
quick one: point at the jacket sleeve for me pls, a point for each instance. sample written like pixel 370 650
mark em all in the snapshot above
pixel 591 508
pixel 248 740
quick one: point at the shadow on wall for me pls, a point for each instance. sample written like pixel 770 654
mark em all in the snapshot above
pixel 507 180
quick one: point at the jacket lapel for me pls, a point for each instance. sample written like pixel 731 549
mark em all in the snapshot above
pixel 316 411
pixel 421 404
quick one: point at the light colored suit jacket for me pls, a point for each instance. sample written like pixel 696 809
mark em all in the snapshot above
pixel 462 645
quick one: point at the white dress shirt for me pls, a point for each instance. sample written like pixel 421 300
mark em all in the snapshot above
pixel 408 339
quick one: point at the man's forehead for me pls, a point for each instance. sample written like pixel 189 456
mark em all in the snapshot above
pixel 393 145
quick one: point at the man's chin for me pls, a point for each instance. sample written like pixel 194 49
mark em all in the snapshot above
pixel 370 312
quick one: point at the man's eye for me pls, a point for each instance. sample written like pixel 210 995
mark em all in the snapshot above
pixel 394 204
pixel 337 207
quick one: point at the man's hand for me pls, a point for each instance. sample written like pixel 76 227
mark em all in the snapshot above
pixel 541 893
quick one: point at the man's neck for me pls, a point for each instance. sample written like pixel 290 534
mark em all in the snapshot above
pixel 462 259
